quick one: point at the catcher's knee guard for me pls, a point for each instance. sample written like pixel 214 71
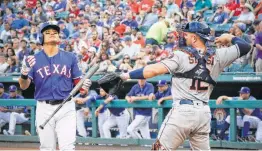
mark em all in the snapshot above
pixel 158 146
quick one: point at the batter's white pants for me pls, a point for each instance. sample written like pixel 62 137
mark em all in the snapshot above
pixel 16 118
pixel 61 126
pixel 102 117
pixel 140 123
pixel 182 122
pixel 80 122
pixel 121 122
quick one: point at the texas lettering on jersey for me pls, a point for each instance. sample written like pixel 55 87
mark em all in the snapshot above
pixel 57 69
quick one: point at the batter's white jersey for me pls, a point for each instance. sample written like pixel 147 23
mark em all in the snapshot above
pixel 184 88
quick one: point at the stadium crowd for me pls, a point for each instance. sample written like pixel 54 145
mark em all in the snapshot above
pixel 122 36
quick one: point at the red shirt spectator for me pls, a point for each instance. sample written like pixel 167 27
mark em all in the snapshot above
pixel 31 3
pixel 146 5
pixel 234 7
pixel 119 28
pixel 134 6
pixel 140 40
pixel 74 9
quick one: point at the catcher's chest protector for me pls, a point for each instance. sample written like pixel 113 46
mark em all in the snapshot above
pixel 200 71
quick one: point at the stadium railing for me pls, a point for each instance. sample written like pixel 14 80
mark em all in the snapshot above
pixel 232 105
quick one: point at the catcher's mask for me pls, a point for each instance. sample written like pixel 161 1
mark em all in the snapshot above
pixel 110 83
pixel 201 29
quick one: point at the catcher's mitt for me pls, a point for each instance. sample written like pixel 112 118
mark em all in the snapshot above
pixel 110 82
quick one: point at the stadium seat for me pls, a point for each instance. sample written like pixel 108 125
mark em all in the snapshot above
pixel 225 27
pixel 233 18
pixel 208 13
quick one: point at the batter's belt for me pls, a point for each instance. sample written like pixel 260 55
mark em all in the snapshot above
pixel 52 102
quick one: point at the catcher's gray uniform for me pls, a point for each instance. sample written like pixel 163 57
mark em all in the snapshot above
pixel 190 115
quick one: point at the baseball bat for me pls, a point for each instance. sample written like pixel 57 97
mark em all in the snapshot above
pixel 89 74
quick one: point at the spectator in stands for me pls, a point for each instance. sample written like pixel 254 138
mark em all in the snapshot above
pixel 130 49
pixel 63 30
pixel 258 44
pixel 3 63
pixel 249 118
pixel 163 93
pixel 139 39
pixel 258 10
pixel 160 53
pixel 104 63
pixel 33 47
pixel 129 20
pixel 25 51
pixel 12 65
pixel 188 11
pixel 140 91
pixel 140 61
pixel 247 16
pixel 148 19
pixel 82 111
pixel 232 8
pixel 220 16
pixel 171 42
pixel 253 3
pixel 157 33
pixel 20 24
pixel 119 117
pixel 171 8
pixel 202 5
pixel 10 52
pixel 60 6
pixel 125 66
pixel 239 31
pixel 92 59
pixel 6 33
pixel 16 45
pixel 18 114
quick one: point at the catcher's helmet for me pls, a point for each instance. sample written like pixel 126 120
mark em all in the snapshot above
pixel 47 25
pixel 198 28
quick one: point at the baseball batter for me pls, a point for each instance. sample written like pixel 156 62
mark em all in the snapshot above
pixel 54 72
pixel 193 69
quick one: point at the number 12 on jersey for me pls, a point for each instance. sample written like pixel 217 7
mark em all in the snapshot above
pixel 198 85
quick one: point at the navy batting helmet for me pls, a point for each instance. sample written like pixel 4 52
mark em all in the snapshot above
pixel 47 25
pixel 198 28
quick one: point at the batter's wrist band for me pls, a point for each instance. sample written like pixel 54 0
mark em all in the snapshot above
pixel 137 74
pixel 25 77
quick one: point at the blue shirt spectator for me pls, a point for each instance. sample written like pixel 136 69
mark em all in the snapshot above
pixel 60 5
pixel 130 22
pixel 20 22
